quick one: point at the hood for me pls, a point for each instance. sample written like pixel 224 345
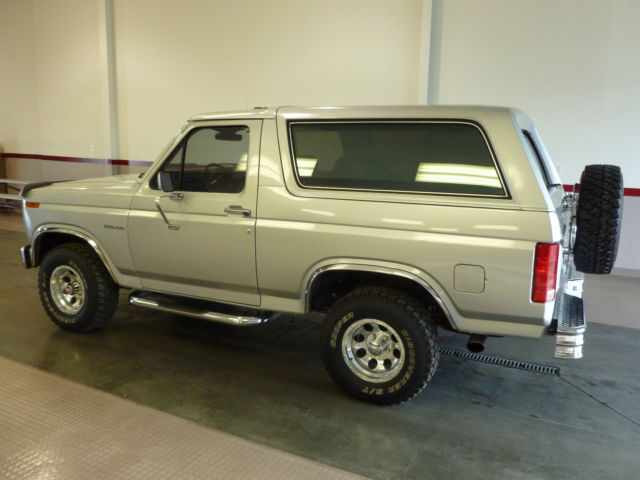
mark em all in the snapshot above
pixel 110 192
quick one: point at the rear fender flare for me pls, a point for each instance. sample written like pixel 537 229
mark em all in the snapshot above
pixel 404 271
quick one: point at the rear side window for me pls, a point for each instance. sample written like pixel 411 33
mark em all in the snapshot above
pixel 429 157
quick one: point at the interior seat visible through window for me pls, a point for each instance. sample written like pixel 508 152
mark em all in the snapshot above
pixel 210 159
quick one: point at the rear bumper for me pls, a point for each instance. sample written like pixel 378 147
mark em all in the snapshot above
pixel 569 319
pixel 571 327
pixel 25 255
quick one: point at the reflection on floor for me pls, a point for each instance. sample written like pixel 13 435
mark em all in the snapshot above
pixel 267 384
pixel 11 219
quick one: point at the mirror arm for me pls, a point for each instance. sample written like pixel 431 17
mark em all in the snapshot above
pixel 172 196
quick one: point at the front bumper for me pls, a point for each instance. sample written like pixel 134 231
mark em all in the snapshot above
pixel 25 255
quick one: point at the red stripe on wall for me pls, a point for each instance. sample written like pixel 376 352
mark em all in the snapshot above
pixel 56 158
pixel 628 192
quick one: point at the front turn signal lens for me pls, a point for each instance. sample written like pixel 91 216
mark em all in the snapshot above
pixel 545 269
pixel 32 204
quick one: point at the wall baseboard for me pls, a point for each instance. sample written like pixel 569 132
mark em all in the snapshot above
pixel 626 272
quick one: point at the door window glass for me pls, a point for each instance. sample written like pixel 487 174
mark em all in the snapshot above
pixel 173 166
pixel 210 159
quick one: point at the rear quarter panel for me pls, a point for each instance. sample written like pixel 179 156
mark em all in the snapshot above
pixel 299 230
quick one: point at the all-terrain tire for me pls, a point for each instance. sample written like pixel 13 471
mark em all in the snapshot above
pixel 75 288
pixel 599 218
pixel 380 345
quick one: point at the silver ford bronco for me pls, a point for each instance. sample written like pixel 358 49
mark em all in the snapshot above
pixel 393 221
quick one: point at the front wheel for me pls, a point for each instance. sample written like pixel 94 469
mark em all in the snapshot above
pixel 380 345
pixel 75 288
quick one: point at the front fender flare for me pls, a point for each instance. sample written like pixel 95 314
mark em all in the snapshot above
pixel 40 233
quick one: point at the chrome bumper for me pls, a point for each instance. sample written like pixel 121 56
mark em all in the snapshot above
pixel 25 255
pixel 569 323
pixel 571 327
pixel 569 319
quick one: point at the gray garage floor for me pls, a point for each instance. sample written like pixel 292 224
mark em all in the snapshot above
pixel 267 384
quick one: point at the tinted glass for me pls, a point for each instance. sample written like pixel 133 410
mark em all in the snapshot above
pixel 211 159
pixel 414 157
pixel 173 165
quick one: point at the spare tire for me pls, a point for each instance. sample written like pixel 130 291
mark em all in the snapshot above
pixel 599 218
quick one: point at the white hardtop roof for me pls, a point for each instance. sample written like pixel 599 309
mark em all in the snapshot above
pixel 359 112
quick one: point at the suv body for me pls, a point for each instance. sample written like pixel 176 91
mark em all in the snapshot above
pixel 458 209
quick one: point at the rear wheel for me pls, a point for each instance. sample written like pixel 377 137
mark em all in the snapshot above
pixel 599 218
pixel 75 288
pixel 380 345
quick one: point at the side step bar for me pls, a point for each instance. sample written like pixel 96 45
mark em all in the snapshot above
pixel 165 303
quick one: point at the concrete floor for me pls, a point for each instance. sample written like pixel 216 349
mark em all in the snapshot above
pixel 267 384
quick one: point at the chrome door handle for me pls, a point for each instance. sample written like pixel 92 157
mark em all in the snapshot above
pixel 237 210
pixel 171 226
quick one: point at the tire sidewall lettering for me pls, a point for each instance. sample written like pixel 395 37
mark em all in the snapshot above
pixel 336 332
pixel 413 328
pixel 46 287
pixel 377 389
pixel 410 364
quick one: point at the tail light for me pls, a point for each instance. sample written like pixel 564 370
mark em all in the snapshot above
pixel 545 268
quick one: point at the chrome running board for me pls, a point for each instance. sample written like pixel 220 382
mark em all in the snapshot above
pixel 179 306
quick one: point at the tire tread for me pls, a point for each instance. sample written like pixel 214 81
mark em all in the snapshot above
pixel 106 300
pixel 427 327
pixel 599 218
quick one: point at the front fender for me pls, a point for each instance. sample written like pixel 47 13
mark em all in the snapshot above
pixel 46 237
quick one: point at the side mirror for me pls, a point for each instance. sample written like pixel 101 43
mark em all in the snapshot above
pixel 165 182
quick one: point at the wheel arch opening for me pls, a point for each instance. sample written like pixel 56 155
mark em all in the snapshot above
pixel 48 240
pixel 331 285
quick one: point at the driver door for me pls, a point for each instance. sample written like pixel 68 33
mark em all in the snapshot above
pixel 199 240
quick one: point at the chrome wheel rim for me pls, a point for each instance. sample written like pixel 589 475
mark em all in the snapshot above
pixel 373 350
pixel 67 289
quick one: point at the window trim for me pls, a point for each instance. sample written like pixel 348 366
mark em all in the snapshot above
pixel 182 143
pixel 505 196
pixel 541 163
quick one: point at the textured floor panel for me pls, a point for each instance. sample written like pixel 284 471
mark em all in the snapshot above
pixel 51 428
pixel 612 300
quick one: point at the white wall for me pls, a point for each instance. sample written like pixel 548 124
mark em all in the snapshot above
pixel 53 99
pixel 572 65
pixel 177 59
pixel 628 260
pixel 18 106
